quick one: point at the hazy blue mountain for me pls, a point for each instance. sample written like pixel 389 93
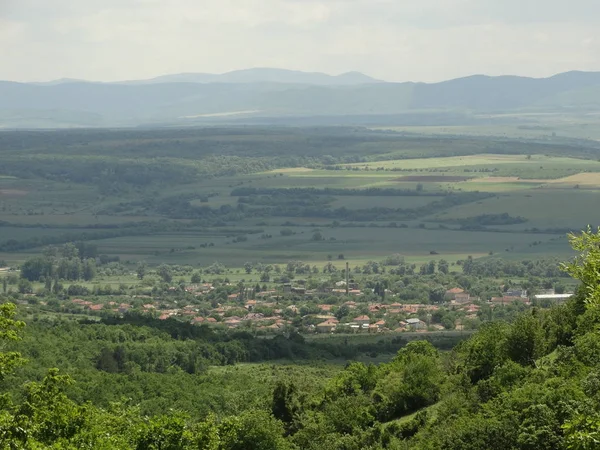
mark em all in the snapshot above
pixel 262 75
pixel 264 93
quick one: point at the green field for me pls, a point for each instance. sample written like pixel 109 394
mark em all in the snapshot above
pixel 119 191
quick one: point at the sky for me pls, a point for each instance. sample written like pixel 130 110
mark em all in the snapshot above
pixel 393 40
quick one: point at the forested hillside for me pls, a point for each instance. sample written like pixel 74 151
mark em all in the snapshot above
pixel 532 384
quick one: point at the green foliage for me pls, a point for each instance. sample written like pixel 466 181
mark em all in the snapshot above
pixel 486 350
pixel 586 266
pixel 10 330
pixel 525 341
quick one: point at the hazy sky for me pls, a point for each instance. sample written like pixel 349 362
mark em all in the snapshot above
pixel 396 40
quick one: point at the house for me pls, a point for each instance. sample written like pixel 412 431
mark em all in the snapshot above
pixel 362 320
pixel 374 328
pixel 558 298
pixel 506 300
pixel 328 318
pixel 326 327
pixel 472 308
pixel 461 298
pixel 516 293
pixel 451 293
pixel 410 309
pixel 380 324
pixel 416 324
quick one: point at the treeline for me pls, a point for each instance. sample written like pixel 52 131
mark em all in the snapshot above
pixel 369 192
pixel 291 346
pixel 180 207
pixel 497 267
pixel 132 229
pixel 67 262
pixel 484 220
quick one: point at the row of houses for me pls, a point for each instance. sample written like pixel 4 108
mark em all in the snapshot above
pixel 362 323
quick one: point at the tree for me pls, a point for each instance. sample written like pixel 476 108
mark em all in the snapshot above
pixel 525 340
pixel 443 266
pixel 586 266
pixel 431 268
pixel 342 311
pixel 283 405
pixel 69 250
pixel 329 268
pixel 4 284
pixel 252 430
pixel 437 294
pixel 35 268
pixel 317 236
pixel 196 278
pixel 89 269
pixel 165 273
pixel 141 270
pixel 248 267
pixel 484 351
pixel 25 286
pixel 10 330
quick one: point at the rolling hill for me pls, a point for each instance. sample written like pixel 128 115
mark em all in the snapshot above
pixel 275 93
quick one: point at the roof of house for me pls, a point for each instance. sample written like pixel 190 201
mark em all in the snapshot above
pixel 362 318
pixel 413 321
pixel 455 291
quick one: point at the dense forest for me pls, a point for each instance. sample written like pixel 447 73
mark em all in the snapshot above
pixel 531 384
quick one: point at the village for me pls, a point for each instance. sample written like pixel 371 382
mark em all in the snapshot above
pixel 343 308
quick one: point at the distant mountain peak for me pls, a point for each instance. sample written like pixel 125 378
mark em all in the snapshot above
pixel 263 75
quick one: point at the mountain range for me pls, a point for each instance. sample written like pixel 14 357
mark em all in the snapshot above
pixel 263 94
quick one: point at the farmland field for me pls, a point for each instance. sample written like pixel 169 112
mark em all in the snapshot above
pixel 231 195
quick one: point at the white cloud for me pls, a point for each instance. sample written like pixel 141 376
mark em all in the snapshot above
pixel 392 39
